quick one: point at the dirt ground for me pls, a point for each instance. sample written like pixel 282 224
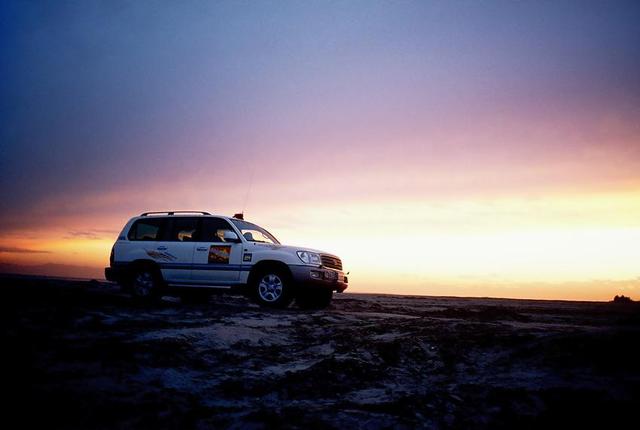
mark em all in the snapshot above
pixel 83 355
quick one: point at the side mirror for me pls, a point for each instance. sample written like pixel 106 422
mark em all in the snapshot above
pixel 230 236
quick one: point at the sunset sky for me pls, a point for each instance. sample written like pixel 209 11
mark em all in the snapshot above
pixel 440 148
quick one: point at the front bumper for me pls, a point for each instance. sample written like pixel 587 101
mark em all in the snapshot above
pixel 321 277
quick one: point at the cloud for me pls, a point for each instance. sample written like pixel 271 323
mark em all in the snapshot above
pixel 94 234
pixel 16 250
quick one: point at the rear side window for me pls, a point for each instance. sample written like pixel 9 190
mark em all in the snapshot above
pixel 146 229
pixel 213 229
pixel 184 229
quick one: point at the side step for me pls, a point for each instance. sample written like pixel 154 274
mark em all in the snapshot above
pixel 216 287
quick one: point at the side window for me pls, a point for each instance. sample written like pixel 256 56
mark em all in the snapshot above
pixel 213 229
pixel 184 229
pixel 146 229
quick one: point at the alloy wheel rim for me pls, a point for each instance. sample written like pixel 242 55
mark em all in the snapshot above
pixel 270 288
pixel 143 284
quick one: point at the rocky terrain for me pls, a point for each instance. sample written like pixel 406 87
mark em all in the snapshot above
pixel 82 355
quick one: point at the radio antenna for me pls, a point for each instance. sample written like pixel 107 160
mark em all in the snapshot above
pixel 246 197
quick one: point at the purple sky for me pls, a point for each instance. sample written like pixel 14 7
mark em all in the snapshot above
pixel 103 96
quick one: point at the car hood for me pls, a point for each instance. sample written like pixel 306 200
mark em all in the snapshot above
pixel 293 249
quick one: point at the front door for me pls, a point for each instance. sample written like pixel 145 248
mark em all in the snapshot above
pixel 216 261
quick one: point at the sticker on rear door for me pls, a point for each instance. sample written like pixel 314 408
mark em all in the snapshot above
pixel 163 256
pixel 219 254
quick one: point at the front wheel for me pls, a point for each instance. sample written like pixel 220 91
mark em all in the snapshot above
pixel 273 288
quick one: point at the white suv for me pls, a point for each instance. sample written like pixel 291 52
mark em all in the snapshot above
pixel 160 252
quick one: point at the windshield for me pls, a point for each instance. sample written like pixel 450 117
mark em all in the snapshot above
pixel 254 233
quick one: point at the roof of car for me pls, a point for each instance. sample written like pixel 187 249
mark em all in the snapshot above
pixel 170 213
pixel 163 214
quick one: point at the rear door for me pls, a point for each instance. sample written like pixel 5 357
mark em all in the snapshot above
pixel 142 240
pixel 177 248
pixel 216 261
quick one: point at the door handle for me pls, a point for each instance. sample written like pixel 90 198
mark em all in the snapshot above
pixel 161 248
pixel 202 248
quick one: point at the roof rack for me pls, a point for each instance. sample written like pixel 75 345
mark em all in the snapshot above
pixel 175 212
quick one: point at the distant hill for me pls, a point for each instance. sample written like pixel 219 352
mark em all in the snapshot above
pixel 51 269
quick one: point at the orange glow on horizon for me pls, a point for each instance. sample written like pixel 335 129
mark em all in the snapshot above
pixel 561 247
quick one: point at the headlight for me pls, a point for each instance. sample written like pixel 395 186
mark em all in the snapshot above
pixel 309 257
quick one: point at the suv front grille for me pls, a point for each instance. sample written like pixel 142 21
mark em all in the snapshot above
pixel 331 262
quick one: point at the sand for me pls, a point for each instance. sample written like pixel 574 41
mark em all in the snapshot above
pixel 83 355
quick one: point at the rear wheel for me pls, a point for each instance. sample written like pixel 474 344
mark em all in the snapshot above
pixel 146 283
pixel 314 298
pixel 273 288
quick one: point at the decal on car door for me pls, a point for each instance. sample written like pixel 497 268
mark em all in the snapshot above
pixel 219 254
pixel 163 256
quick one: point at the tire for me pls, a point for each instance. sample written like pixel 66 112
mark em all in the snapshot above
pixel 314 299
pixel 145 284
pixel 272 288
